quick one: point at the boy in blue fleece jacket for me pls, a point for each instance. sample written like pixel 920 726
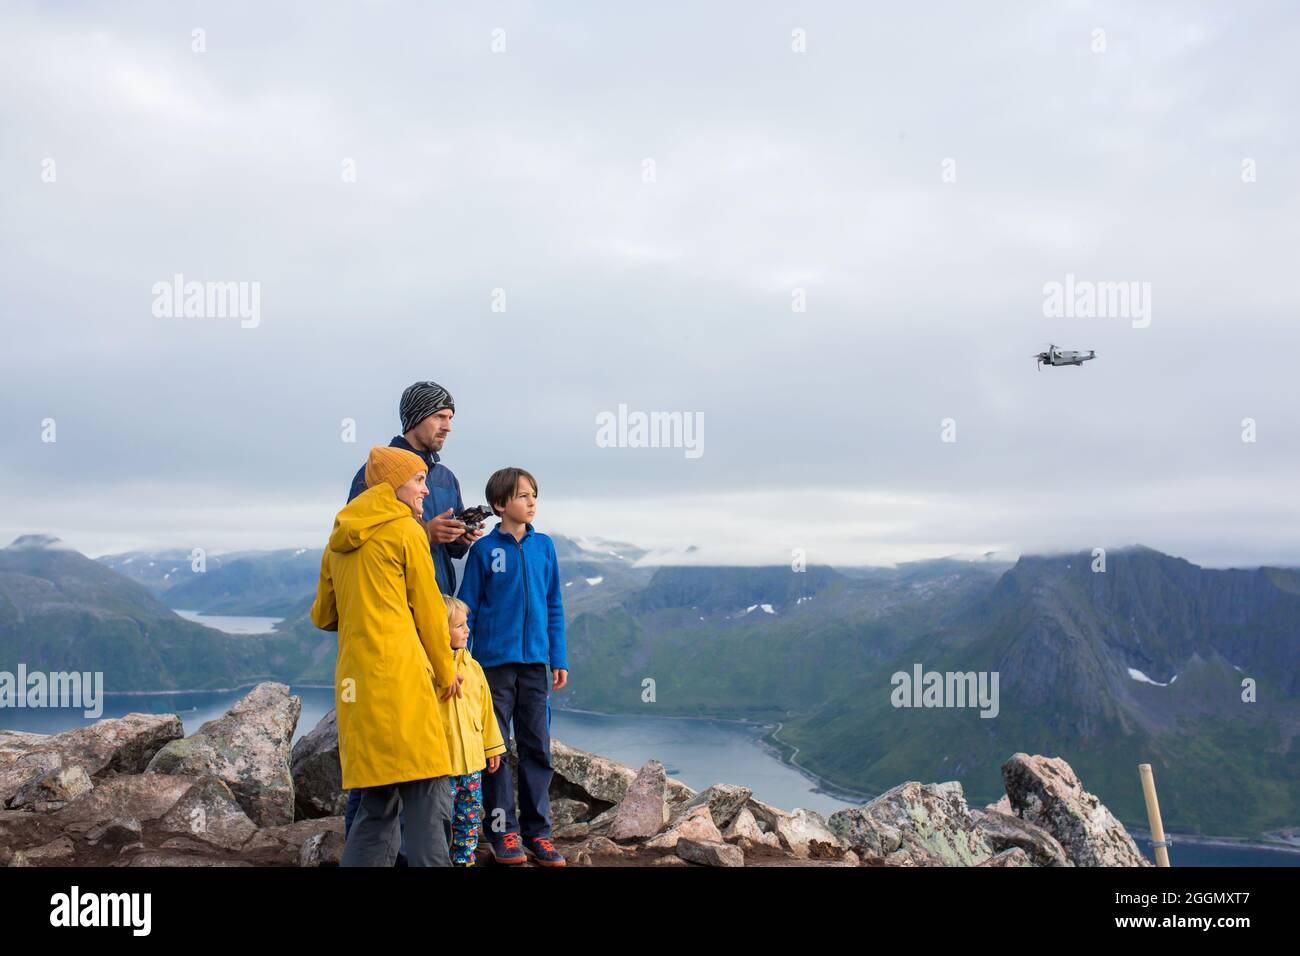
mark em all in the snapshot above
pixel 511 585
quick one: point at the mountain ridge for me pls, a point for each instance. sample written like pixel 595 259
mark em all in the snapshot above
pixel 1140 663
pixel 1067 649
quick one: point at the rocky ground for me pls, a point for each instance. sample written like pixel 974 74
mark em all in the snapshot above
pixel 133 791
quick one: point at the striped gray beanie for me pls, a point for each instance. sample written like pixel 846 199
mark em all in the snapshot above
pixel 422 400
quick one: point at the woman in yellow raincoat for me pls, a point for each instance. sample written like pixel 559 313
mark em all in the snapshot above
pixel 378 590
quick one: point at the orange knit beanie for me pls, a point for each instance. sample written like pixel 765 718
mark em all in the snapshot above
pixel 393 466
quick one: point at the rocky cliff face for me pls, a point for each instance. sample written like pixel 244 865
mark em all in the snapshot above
pixel 1148 611
pixel 1144 662
pixel 133 791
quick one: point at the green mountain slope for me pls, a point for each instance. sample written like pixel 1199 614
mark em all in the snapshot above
pixel 61 611
pixel 755 642
pixel 1066 644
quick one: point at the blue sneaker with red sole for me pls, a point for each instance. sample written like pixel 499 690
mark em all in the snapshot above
pixel 508 850
pixel 543 852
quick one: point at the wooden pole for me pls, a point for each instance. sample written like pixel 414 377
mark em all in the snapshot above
pixel 1153 815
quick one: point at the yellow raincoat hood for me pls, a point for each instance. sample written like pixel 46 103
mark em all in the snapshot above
pixel 364 515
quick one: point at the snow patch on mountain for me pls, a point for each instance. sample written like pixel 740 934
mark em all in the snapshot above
pixel 1141 678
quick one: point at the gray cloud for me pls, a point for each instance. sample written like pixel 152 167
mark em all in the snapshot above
pixel 774 171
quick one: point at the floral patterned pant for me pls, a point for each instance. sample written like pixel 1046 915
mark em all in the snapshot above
pixel 466 815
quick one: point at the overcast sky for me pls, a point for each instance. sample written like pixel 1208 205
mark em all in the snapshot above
pixel 127 157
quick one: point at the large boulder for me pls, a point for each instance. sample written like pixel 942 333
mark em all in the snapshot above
pixel 745 832
pixel 805 834
pixel 710 854
pixel 566 812
pixel 1004 832
pixel 17 768
pixel 53 789
pixel 914 824
pixel 643 811
pixel 724 801
pixel 15 743
pixel 598 777
pixel 600 823
pixel 695 824
pixel 317 772
pixel 322 849
pixel 144 797
pixel 45 772
pixel 599 781
pixel 677 795
pixel 115 833
pixel 208 812
pixel 301 843
pixel 571 831
pixel 249 748
pixel 119 745
pixel 24 770
pixel 1045 791
pixel 765 814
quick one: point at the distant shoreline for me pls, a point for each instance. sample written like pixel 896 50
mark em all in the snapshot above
pixel 820 784
pixel 777 747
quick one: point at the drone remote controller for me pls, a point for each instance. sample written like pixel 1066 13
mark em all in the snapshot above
pixel 474 517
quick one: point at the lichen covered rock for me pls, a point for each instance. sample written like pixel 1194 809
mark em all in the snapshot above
pixel 249 748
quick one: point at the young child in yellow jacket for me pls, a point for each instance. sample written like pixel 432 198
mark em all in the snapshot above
pixel 473 738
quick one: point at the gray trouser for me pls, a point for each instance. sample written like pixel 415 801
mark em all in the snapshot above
pixel 376 834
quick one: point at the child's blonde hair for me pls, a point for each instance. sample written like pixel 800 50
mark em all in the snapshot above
pixel 454 605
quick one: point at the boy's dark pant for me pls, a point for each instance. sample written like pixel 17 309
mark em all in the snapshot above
pixel 519 699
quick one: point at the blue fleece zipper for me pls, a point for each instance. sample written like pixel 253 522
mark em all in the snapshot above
pixel 523 635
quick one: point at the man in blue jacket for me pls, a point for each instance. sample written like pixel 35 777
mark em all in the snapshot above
pixel 516 630
pixel 426 410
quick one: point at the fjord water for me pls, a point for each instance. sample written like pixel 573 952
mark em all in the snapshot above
pixel 697 752
pixel 233 624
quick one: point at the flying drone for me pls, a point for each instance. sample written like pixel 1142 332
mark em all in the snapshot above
pixel 1055 356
